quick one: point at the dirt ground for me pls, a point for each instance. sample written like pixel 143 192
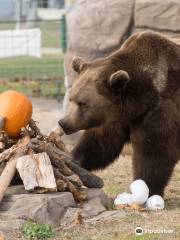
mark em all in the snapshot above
pixel 157 225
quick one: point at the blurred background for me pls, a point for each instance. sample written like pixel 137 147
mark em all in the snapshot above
pixel 38 39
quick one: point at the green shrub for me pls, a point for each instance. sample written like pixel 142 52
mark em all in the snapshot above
pixel 37 231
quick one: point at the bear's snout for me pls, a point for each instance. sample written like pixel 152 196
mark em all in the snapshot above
pixel 65 126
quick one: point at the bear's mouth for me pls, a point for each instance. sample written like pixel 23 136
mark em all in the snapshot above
pixel 66 128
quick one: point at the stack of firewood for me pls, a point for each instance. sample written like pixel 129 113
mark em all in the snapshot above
pixel 43 163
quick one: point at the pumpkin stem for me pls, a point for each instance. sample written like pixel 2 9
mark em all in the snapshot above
pixel 2 122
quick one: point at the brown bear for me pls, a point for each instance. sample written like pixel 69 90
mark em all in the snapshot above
pixel 132 96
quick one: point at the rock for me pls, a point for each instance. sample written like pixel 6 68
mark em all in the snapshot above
pixel 98 193
pixel 36 172
pixel 157 14
pixel 11 224
pixel 43 208
pixel 97 202
pixel 96 28
pixel 92 208
pixel 70 216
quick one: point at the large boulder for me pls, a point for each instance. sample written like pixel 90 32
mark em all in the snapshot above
pixel 53 208
pixel 43 208
pixel 96 28
pixel 160 15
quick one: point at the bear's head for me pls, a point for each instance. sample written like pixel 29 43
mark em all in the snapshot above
pixel 95 94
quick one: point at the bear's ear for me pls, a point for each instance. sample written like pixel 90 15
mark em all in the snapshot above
pixel 119 80
pixel 78 64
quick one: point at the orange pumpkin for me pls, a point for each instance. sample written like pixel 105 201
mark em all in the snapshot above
pixel 17 111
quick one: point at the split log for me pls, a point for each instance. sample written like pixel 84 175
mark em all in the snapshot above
pixel 7 176
pixel 36 172
pixel 10 168
pixel 56 155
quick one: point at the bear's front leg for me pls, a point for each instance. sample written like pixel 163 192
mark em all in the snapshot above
pixel 155 148
pixel 99 147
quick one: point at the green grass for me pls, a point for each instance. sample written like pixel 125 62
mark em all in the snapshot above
pixel 31 230
pixel 146 236
pixel 35 88
pixel 29 67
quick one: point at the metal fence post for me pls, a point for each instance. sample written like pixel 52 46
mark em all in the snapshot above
pixel 63 33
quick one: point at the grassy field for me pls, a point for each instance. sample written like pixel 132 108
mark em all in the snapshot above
pixel 52 89
pixel 32 76
pixel 48 66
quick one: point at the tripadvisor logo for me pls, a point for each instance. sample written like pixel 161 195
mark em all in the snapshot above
pixel 139 231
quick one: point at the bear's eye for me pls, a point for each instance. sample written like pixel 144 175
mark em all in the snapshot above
pixel 82 104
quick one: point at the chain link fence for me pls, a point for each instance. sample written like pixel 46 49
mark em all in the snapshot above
pixel 31 52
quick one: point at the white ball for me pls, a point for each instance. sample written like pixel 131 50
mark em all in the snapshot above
pixel 123 198
pixel 155 202
pixel 140 191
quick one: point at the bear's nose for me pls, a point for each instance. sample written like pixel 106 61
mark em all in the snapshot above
pixel 65 126
pixel 61 123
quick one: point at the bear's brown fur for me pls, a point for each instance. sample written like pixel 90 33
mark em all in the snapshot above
pixel 131 96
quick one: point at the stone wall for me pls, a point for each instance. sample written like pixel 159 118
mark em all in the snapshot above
pixel 97 28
